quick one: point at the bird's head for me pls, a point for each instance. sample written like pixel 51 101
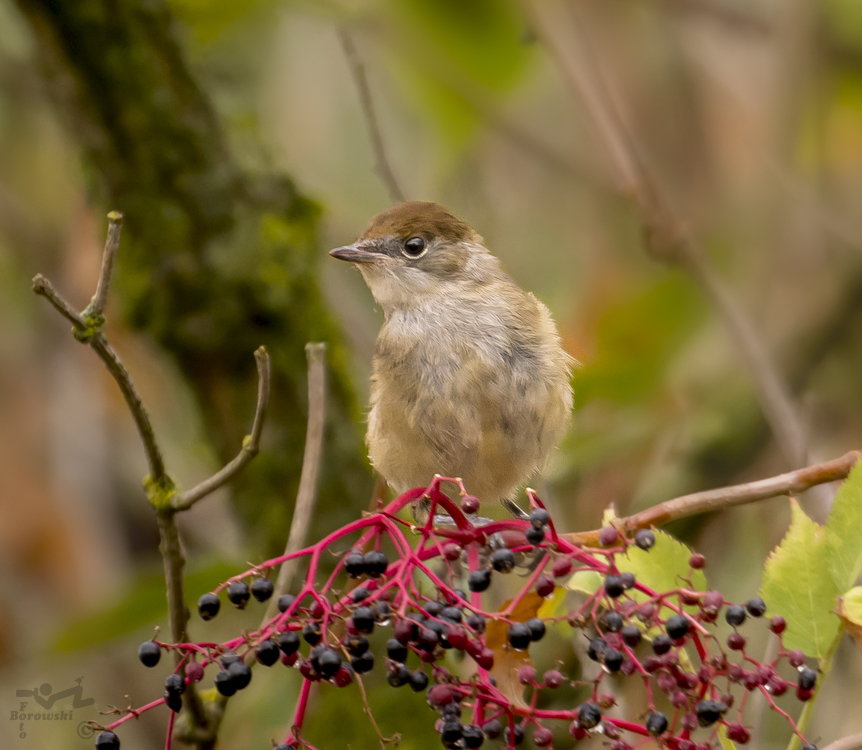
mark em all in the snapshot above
pixel 416 250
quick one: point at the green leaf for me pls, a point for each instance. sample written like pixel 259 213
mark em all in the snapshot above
pixel 663 567
pixel 585 582
pixel 798 586
pixel 844 532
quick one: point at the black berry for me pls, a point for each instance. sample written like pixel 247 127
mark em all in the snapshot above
pixel 472 736
pixel 289 642
pixel 453 614
pixel 613 660
pixel 357 645
pixel 261 589
pixel 354 565
pixel 418 681
pixel 645 539
pixel 107 741
pixel 476 623
pixel 756 606
pixel 535 536
pixel 267 652
pixel 517 737
pixel 613 621
pixel 807 678
pixel 479 580
pixel 631 635
pixel 330 663
pixel 677 626
pixel 539 518
pixel 708 712
pixel 451 732
pixel 661 644
pixel 656 723
pixel 363 663
pixel 175 683
pixel 519 636
pixel 376 563
pixel 492 729
pixel 596 649
pixel 224 683
pixel 537 628
pixel 503 560
pixel 311 633
pixel 614 585
pixel 396 651
pixel 238 594
pixel 149 653
pixel 363 619
pixel 735 615
pixel 208 606
pixel 589 715
pixel 240 674
pixel 284 602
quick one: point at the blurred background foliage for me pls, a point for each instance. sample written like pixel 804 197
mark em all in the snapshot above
pixel 232 137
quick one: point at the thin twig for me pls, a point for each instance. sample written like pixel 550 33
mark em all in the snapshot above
pixel 306 496
pixel 250 446
pixel 851 742
pixel 84 327
pixel 112 244
pixel 357 70
pixel 666 238
pixel 791 483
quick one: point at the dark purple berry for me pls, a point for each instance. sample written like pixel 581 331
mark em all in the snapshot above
pixel 396 651
pixel 597 648
pixel 261 589
pixel 613 660
pixel 240 674
pixel 697 561
pixel 537 628
pixel 539 518
pixel 238 594
pixel 661 644
pixel 376 563
pixel 735 615
pixel 589 715
pixel 289 642
pixel 363 619
pixel 149 653
pixel 492 729
pixel 173 701
pixel 613 621
pixel 756 606
pixel 503 560
pixel 519 636
pixel 357 645
pixel 656 723
pixel 545 586
pixel 175 683
pixel 645 539
pixel 284 602
pixel 614 585
pixel 535 536
pixel 359 594
pixel 677 626
pixel 476 623
pixel 267 652
pixel 807 678
pixel 107 741
pixel 513 738
pixel 479 580
pixel 208 606
pixel 451 732
pixel 708 712
pixel 224 683
pixel 632 635
pixel 362 664
pixel 354 565
pixel 418 681
pixel 452 614
pixel 329 663
pixel 796 658
pixel 608 536
pixel 311 633
pixel 472 736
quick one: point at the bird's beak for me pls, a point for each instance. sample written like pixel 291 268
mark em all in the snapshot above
pixel 354 253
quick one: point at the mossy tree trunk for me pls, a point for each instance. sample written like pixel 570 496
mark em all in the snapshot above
pixel 215 261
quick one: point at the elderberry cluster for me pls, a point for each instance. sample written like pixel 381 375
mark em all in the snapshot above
pixel 665 639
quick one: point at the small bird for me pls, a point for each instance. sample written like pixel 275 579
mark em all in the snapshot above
pixel 469 377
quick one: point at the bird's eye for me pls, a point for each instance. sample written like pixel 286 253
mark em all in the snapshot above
pixel 414 247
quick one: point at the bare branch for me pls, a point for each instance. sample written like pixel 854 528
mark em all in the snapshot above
pixel 357 70
pixel 112 244
pixel 87 327
pixel 306 496
pixel 666 239
pixel 251 444
pixel 44 288
pixel 791 483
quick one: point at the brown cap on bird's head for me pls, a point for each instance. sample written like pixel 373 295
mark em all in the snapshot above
pixel 418 219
